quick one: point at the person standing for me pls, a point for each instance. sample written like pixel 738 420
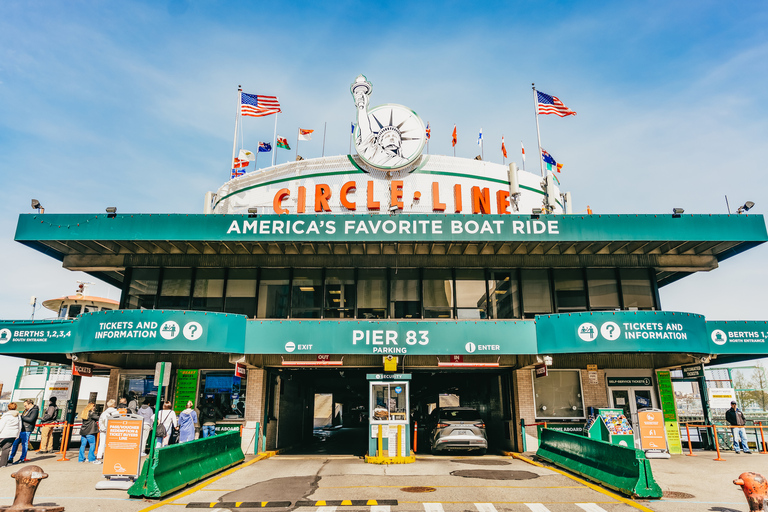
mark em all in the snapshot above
pixel 736 420
pixel 28 421
pixel 88 430
pixel 109 412
pixel 133 403
pixel 146 412
pixel 10 427
pixel 208 416
pixel 46 432
pixel 168 418
pixel 187 421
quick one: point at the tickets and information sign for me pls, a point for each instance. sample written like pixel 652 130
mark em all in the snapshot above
pixel 652 432
pixel 123 449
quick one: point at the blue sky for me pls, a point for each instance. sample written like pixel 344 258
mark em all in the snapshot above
pixel 131 104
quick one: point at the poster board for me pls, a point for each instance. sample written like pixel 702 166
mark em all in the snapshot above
pixel 653 436
pixel 123 448
pixel 186 389
pixel 669 408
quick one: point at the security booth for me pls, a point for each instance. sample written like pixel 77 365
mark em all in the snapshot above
pixel 389 419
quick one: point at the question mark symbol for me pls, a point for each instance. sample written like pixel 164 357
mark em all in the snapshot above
pixel 610 329
pixel 192 328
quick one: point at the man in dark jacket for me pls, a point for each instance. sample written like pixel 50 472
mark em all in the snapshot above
pixel 208 416
pixel 736 420
pixel 28 421
pixel 46 431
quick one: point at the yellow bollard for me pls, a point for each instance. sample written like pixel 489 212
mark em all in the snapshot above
pixel 380 451
pixel 399 444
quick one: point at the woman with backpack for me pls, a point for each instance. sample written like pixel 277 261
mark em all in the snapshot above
pixel 166 418
pixel 10 426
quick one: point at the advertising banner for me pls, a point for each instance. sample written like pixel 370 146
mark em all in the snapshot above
pixel 309 337
pixel 738 337
pixel 186 389
pixel 123 449
pixel 622 331
pixel 652 431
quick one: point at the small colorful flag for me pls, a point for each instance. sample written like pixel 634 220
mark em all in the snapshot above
pixel 247 155
pixel 523 148
pixel 265 147
pixel 552 105
pixel 353 128
pixel 454 140
pixel 240 163
pixel 480 138
pixel 258 105
pixel 429 132
pixel 503 147
pixel 550 161
pixel 282 142
pixel 237 173
pixel 305 134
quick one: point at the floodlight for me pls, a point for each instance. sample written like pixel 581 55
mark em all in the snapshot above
pixel 111 212
pixel 252 211
pixel 747 206
pixel 37 206
pixel 676 212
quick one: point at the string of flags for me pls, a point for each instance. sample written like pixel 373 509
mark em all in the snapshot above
pixel 257 105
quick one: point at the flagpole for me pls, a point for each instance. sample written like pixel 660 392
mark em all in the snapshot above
pixel 538 134
pixel 274 145
pixel 482 145
pixel 256 158
pixel 523 148
pixel 234 139
pixel 298 132
pixel 325 125
pixel 352 132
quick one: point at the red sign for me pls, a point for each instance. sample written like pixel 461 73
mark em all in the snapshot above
pixel 323 357
pixel 240 370
pixel 457 359
pixel 82 369
pixel 541 370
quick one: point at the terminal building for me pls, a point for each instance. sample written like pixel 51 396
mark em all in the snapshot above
pixel 471 280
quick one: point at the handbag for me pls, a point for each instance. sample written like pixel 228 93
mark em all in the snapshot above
pixel 174 439
pixel 161 432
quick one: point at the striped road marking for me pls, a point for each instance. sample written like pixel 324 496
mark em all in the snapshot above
pixel 381 508
pixel 326 509
pixel 537 507
pixel 590 507
pixel 433 507
pixel 485 507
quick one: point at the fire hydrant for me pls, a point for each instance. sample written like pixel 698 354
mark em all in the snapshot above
pixel 755 488
pixel 27 480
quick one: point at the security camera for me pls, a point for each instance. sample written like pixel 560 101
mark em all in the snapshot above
pixel 73 357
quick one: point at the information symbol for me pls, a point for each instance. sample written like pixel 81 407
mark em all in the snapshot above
pixel 193 331
pixel 169 330
pixel 470 347
pixel 587 331
pixel 610 331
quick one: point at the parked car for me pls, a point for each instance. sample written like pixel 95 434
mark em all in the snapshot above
pixel 457 428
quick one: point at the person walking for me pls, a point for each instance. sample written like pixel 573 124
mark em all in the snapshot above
pixel 109 412
pixel 10 427
pixel 88 430
pixel 187 421
pixel 736 420
pixel 146 412
pixel 208 416
pixel 28 421
pixel 168 418
pixel 46 431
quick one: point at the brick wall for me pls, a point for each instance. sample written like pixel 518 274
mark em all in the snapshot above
pixel 595 395
pixel 255 395
pixel 112 387
pixel 524 407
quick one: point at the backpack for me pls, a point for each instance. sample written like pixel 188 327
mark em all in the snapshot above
pixel 161 431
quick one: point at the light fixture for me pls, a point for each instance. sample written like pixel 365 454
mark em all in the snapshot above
pixel 676 212
pixel 299 158
pixel 37 206
pixel 394 208
pixel 535 212
pixel 111 212
pixel 252 212
pixel 307 288
pixel 478 157
pixel 747 206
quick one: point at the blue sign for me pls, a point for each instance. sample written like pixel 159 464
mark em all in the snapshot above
pixel 398 390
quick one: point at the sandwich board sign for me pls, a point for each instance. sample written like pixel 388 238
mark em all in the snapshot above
pixel 653 436
pixel 122 453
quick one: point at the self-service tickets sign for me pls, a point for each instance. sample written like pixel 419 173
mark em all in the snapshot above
pixel 123 449
pixel 652 432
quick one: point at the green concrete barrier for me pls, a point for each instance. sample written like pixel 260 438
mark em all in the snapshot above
pixel 179 465
pixel 624 469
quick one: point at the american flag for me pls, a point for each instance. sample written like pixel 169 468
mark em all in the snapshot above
pixel 552 105
pixel 258 106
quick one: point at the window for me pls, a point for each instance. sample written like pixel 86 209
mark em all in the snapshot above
pixel 504 294
pixel 558 395
pixel 227 392
pixel 372 293
pixel 438 293
pixel 274 291
pixel 175 288
pixel 603 289
pixel 404 296
pixel 241 291
pixel 139 386
pixel 307 293
pixel 142 291
pixel 389 402
pixel 208 292
pixel 340 293
pixel 570 294
pixel 471 295
pixel 636 288
pixel 537 298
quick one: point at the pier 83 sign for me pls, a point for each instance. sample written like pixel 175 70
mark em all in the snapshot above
pixel 388 137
